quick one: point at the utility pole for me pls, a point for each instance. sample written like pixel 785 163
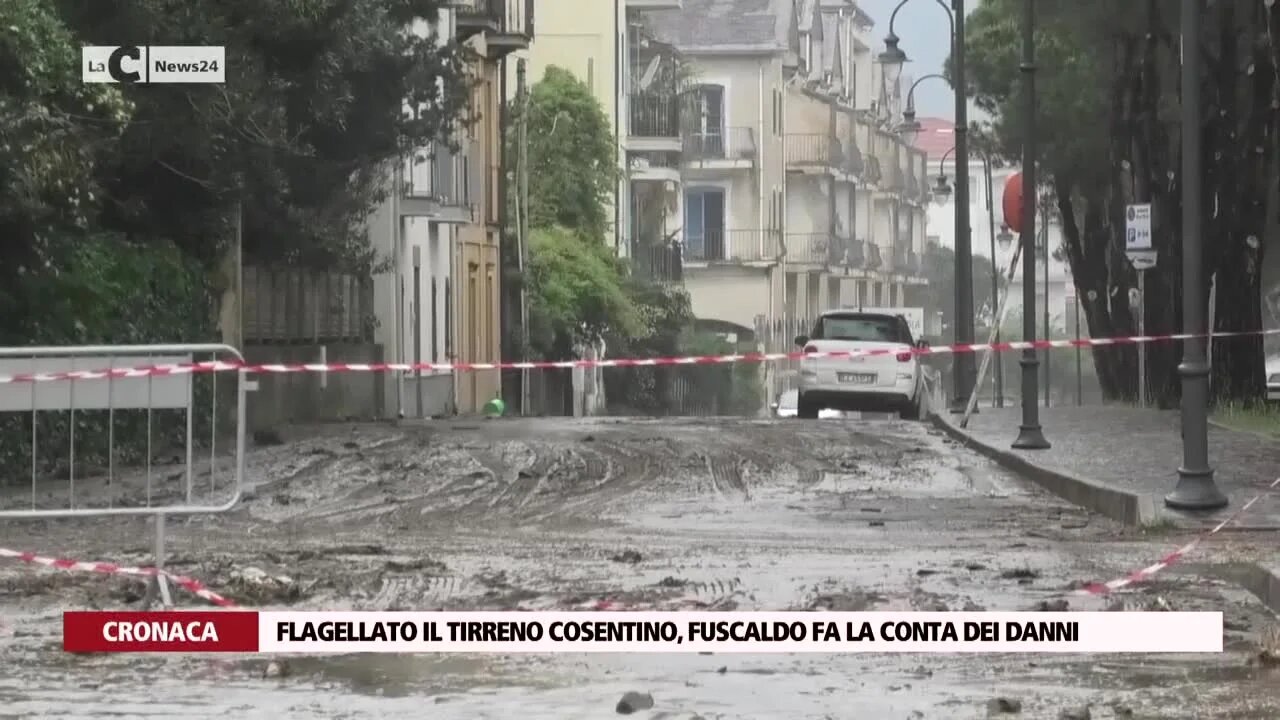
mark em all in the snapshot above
pixel 522 222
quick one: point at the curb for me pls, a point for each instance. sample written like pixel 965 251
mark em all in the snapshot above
pixel 1126 507
pixel 1227 428
pixel 1264 583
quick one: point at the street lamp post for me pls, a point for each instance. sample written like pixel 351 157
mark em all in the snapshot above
pixel 1030 435
pixel 892 60
pixel 1196 489
pixel 911 127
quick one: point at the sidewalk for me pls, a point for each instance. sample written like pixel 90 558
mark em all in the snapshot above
pixel 1121 461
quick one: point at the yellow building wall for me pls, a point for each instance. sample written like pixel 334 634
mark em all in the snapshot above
pixel 477 272
pixel 577 36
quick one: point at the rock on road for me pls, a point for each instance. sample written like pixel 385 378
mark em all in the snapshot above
pixel 644 514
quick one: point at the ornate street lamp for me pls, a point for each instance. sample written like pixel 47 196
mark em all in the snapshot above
pixel 892 59
pixel 1004 237
pixel 941 187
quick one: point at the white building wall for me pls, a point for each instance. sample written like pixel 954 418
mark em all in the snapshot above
pixel 941 229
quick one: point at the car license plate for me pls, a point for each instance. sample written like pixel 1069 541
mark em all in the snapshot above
pixel 860 378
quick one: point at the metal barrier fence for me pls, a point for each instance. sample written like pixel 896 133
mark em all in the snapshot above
pixel 109 447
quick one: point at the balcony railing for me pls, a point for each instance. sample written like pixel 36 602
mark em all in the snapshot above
pixel 714 246
pixel 655 115
pixel 735 143
pixel 441 175
pixel 812 150
pixel 660 262
pixel 810 248
pixel 508 17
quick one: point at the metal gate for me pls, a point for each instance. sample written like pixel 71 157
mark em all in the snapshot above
pixel 167 439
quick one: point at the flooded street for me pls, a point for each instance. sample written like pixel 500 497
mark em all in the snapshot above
pixel 623 514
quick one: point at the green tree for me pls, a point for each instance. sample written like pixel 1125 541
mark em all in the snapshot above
pixel 940 293
pixel 572 156
pixel 1109 133
pixel 577 293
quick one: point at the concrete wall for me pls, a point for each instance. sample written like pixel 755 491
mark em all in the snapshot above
pixel 284 398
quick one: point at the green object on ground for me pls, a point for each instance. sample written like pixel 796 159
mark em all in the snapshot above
pixel 495 408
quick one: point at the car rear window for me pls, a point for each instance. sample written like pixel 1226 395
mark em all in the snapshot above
pixel 863 328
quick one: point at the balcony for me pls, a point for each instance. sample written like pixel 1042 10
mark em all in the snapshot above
pixel 913 188
pixel 901 256
pixel 655 122
pixel 438 183
pixel 892 180
pixel 872 260
pixel 656 261
pixel 733 149
pixel 810 248
pixel 871 173
pixel 856 256
pixel 854 163
pixel 506 24
pixel 655 167
pixel 731 246
pixel 813 153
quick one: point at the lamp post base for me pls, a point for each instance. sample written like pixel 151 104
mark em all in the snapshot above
pixel 1031 437
pixel 959 405
pixel 1196 490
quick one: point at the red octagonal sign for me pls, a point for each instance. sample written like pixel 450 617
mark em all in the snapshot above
pixel 1012 202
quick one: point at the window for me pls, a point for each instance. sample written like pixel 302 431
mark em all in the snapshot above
pixel 704 224
pixel 862 328
pixel 708 129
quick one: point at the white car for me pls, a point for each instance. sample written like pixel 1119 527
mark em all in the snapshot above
pixel 887 382
pixel 1273 378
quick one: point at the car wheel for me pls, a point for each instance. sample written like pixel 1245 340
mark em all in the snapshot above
pixel 912 410
pixel 805 409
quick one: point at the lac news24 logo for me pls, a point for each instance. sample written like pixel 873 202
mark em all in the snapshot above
pixel 141 65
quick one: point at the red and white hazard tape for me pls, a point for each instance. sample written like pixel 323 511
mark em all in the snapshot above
pixel 104 568
pixel 1147 572
pixel 269 368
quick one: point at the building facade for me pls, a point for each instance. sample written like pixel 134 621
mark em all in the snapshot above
pixel 797 195
pixel 440 229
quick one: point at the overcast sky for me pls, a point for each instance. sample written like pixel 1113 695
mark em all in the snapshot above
pixel 925 33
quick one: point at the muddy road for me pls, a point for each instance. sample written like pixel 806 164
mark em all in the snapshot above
pixel 640 514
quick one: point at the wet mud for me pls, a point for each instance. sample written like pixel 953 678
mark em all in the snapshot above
pixel 673 514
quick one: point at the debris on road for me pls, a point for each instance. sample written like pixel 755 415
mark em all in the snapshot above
pixel 634 702
pixel 1003 706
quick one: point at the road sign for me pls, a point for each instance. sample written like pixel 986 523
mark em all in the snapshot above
pixel 1137 236
pixel 1138 227
pixel 1142 259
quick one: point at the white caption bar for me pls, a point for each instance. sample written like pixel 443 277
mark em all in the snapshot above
pixel 763 632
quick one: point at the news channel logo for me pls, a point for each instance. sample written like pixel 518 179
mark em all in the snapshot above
pixel 154 64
